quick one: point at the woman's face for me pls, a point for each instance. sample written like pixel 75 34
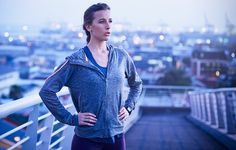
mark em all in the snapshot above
pixel 100 29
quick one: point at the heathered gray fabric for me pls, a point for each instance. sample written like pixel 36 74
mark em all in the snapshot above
pixel 93 92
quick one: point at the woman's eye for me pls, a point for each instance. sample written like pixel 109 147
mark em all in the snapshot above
pixel 102 21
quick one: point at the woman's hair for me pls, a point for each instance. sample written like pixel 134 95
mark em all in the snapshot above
pixel 89 16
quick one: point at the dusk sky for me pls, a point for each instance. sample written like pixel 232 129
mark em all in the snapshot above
pixel 175 13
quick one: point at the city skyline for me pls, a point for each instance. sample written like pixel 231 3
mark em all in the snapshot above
pixel 175 13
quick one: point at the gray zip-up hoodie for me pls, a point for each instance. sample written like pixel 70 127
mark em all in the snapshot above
pixel 93 92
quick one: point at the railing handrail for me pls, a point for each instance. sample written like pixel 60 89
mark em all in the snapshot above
pixel 17 105
pixel 170 87
pixel 46 132
pixel 216 107
pixel 22 103
pixel 34 100
pixel 213 90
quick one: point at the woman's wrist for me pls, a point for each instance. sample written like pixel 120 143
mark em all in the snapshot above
pixel 129 109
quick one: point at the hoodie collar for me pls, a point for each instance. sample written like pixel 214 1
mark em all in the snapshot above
pixel 79 57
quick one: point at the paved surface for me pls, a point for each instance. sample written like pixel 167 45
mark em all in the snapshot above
pixel 168 131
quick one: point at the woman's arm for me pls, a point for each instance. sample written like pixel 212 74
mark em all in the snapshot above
pixel 135 84
pixel 52 85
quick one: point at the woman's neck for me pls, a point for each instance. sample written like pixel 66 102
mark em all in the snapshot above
pixel 98 47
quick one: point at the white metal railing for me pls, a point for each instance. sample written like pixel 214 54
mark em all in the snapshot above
pixel 215 107
pixel 167 96
pixel 40 129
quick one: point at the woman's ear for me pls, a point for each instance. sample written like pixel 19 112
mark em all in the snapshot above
pixel 88 27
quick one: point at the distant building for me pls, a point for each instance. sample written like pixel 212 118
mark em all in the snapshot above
pixel 8 76
pixel 151 64
pixel 209 64
pixel 14 51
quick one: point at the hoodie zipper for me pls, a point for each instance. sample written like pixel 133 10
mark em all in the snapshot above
pixel 86 63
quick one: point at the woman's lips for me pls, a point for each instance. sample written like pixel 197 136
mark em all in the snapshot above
pixel 107 33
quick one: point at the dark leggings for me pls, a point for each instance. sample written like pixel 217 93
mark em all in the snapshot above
pixel 79 143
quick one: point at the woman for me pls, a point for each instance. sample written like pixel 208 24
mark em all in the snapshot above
pixel 95 76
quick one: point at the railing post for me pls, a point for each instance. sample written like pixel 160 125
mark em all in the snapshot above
pixel 46 135
pixel 68 133
pixel 31 130
pixel 212 108
pixel 198 106
pixel 219 103
pixel 205 115
pixel 192 105
pixel 207 103
pixel 202 107
pixel 223 107
pixel 230 100
pixel 197 115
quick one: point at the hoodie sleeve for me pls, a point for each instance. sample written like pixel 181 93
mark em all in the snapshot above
pixel 134 82
pixel 52 85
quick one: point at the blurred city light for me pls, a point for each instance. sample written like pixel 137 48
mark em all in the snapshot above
pixel 233 55
pixel 137 58
pixel 161 37
pixel 217 73
pixel 80 35
pixel 17 139
pixel 25 28
pixel 6 34
pixel 10 39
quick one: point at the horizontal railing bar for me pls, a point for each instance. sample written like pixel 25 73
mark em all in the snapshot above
pixel 68 105
pixel 222 90
pixel 15 129
pixel 19 143
pixel 41 130
pixel 56 142
pixel 60 148
pixel 213 90
pixel 22 103
pixel 44 116
pixel 55 122
pixel 169 87
pixel 39 143
pixel 59 130
pixel 17 105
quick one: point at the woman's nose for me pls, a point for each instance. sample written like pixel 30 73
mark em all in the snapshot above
pixel 108 26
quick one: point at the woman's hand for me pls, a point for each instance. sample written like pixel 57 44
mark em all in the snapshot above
pixel 87 119
pixel 123 115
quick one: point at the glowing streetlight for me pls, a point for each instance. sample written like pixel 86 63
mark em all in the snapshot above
pixel 208 41
pixel 17 138
pixel 233 55
pixel 80 34
pixel 161 37
pixel 25 28
pixel 10 39
pixel 6 34
pixel 217 73
pixel 137 58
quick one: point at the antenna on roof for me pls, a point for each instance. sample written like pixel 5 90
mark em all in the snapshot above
pixel 228 25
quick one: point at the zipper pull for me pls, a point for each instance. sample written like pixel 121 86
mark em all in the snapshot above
pixel 86 58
